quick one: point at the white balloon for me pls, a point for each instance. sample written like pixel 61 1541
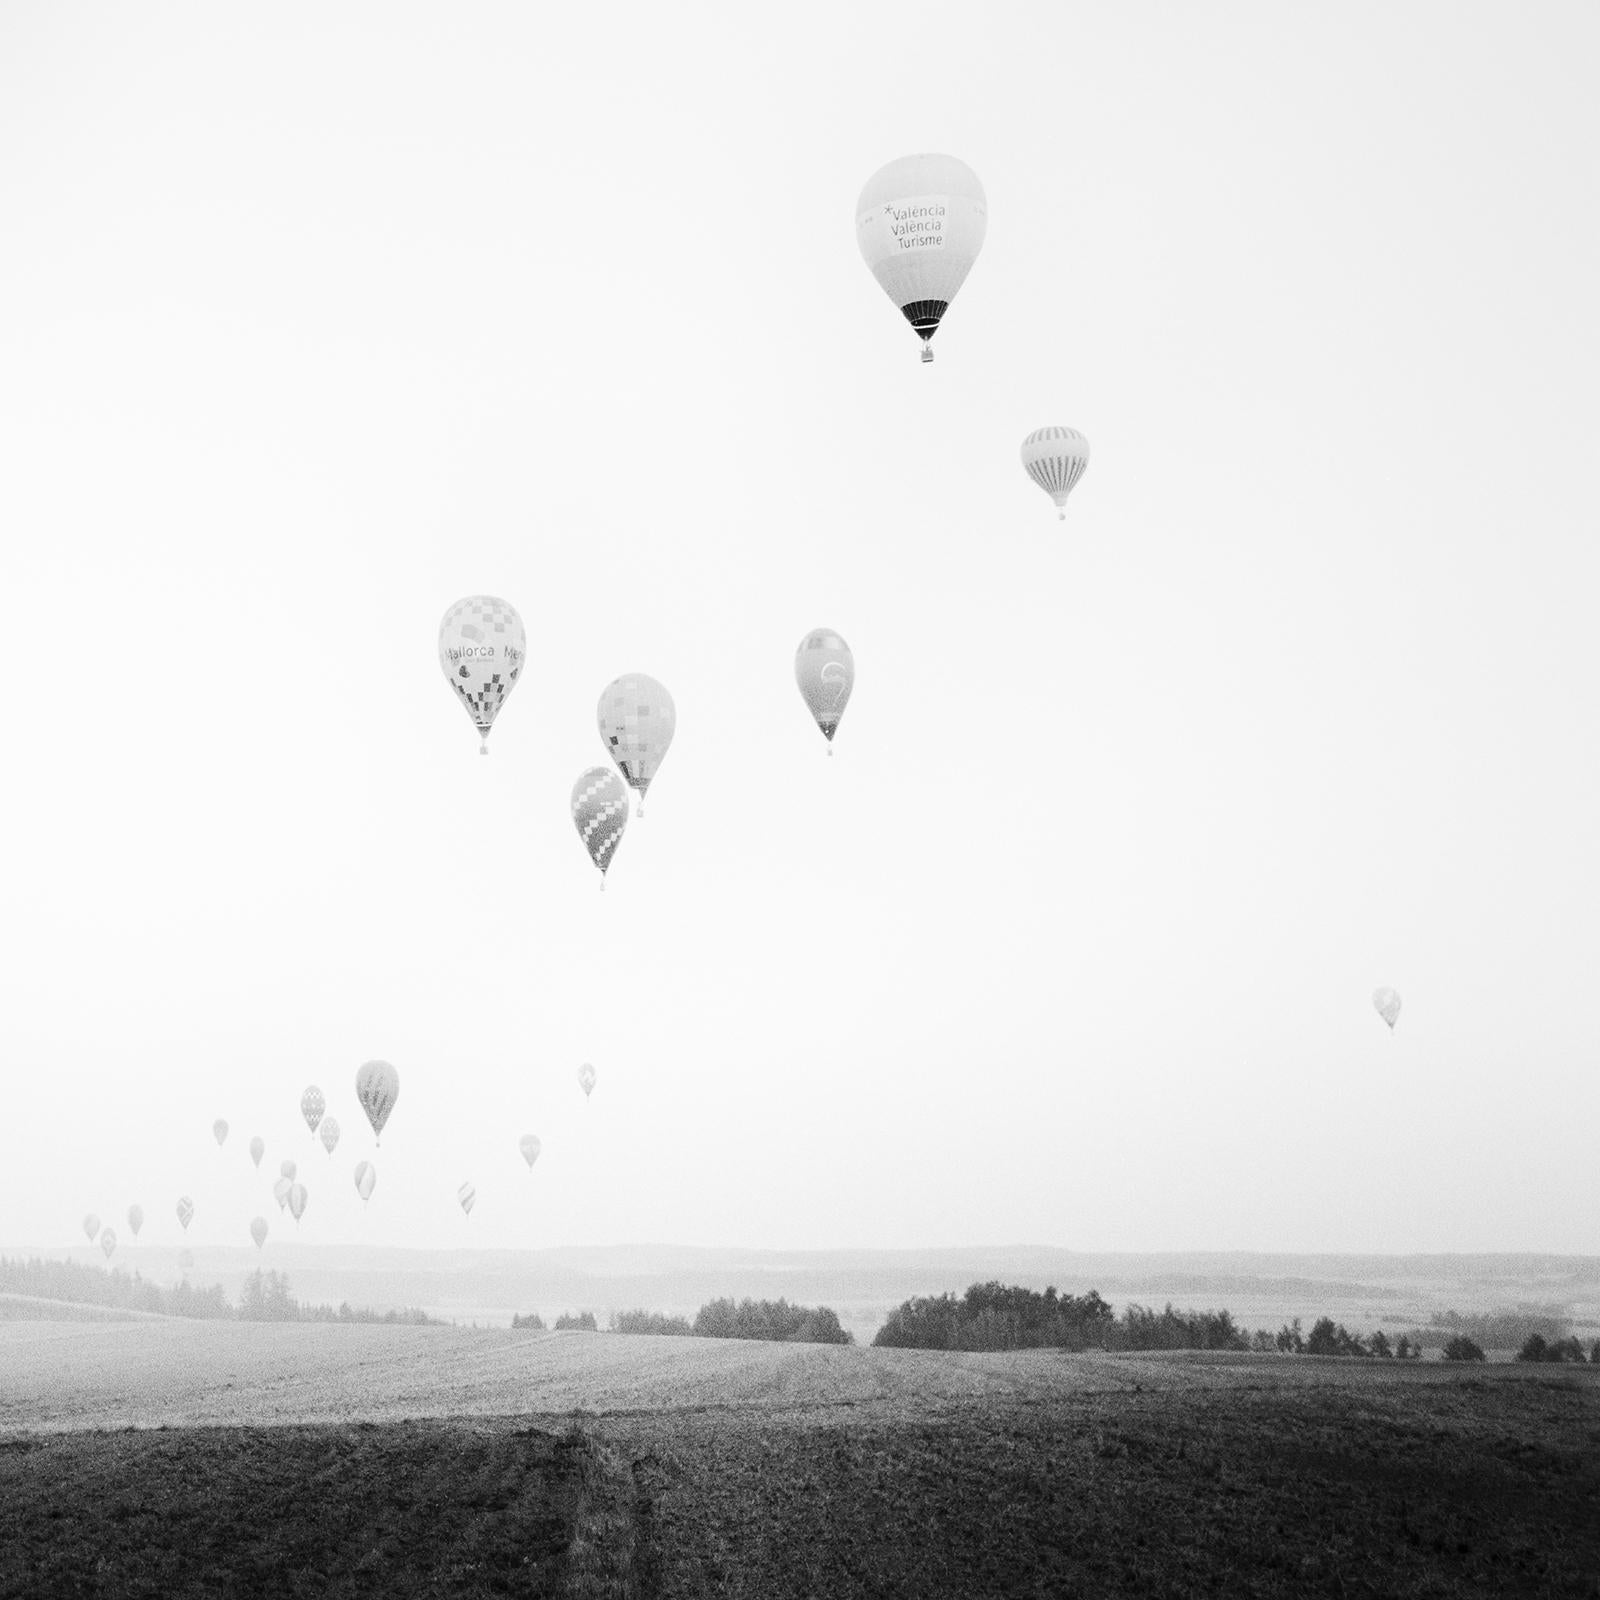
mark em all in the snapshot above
pixel 1055 458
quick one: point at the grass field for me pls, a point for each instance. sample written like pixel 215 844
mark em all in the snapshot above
pixel 188 1459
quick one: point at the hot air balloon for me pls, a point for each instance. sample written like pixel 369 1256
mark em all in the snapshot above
pixel 220 1129
pixel 330 1133
pixel 185 1212
pixel 91 1227
pixel 135 1219
pixel 1055 458
pixel 468 1196
pixel 258 1230
pixel 312 1105
pixel 920 223
pixel 826 673
pixel 297 1200
pixel 280 1191
pixel 600 813
pixel 377 1088
pixel 530 1147
pixel 288 1169
pixel 636 718
pixel 108 1242
pixel 586 1078
pixel 482 646
pixel 366 1180
pixel 1387 1003
pixel 258 1148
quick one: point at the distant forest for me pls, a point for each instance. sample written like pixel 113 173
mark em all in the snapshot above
pixel 266 1296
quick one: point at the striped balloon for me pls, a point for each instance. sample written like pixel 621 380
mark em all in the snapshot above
pixel 280 1191
pixel 826 673
pixel 600 813
pixel 185 1212
pixel 377 1088
pixel 1055 459
pixel 366 1180
pixel 468 1196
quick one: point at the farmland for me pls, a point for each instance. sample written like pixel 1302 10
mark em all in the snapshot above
pixel 154 1457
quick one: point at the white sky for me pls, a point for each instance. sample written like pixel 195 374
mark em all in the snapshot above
pixel 314 319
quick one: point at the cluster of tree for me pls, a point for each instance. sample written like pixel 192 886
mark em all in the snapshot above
pixel 266 1298
pixel 648 1322
pixel 997 1316
pixel 769 1319
pixel 532 1320
pixel 1538 1348
pixel 1330 1338
pixel 95 1286
pixel 582 1320
pixel 1140 1328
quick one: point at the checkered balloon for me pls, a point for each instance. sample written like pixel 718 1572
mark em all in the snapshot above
pixel 185 1212
pixel 600 813
pixel 826 673
pixel 636 718
pixel 482 647
pixel 312 1105
pixel 330 1133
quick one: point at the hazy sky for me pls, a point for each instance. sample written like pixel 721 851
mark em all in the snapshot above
pixel 314 319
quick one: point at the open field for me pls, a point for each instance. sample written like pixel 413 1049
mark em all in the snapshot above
pixel 187 1459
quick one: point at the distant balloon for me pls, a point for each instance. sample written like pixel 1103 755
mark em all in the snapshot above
pixel 1055 458
pixel 530 1147
pixel 826 673
pixel 600 813
pixel 185 1212
pixel 920 223
pixel 280 1191
pixel 108 1242
pixel 288 1169
pixel 258 1230
pixel 482 647
pixel 366 1180
pixel 468 1196
pixel 258 1148
pixel 636 719
pixel 297 1200
pixel 586 1079
pixel 312 1105
pixel 220 1129
pixel 135 1219
pixel 1387 1003
pixel 91 1227
pixel 330 1133
pixel 377 1088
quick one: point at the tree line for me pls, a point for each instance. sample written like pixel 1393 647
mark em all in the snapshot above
pixel 721 1319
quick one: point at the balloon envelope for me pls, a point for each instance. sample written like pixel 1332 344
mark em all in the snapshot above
pixel 136 1219
pixel 482 647
pixel 377 1088
pixel 468 1196
pixel 258 1230
pixel 636 718
pixel 185 1212
pixel 280 1191
pixel 91 1227
pixel 600 813
pixel 108 1242
pixel 258 1148
pixel 366 1179
pixel 297 1200
pixel 586 1078
pixel 530 1147
pixel 1387 1003
pixel 330 1133
pixel 220 1129
pixel 826 673
pixel 920 223
pixel 1055 458
pixel 288 1169
pixel 312 1105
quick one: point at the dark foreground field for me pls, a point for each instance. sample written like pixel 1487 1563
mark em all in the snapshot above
pixel 1054 1475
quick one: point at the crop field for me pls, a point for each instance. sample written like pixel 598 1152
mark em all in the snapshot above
pixel 167 1458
